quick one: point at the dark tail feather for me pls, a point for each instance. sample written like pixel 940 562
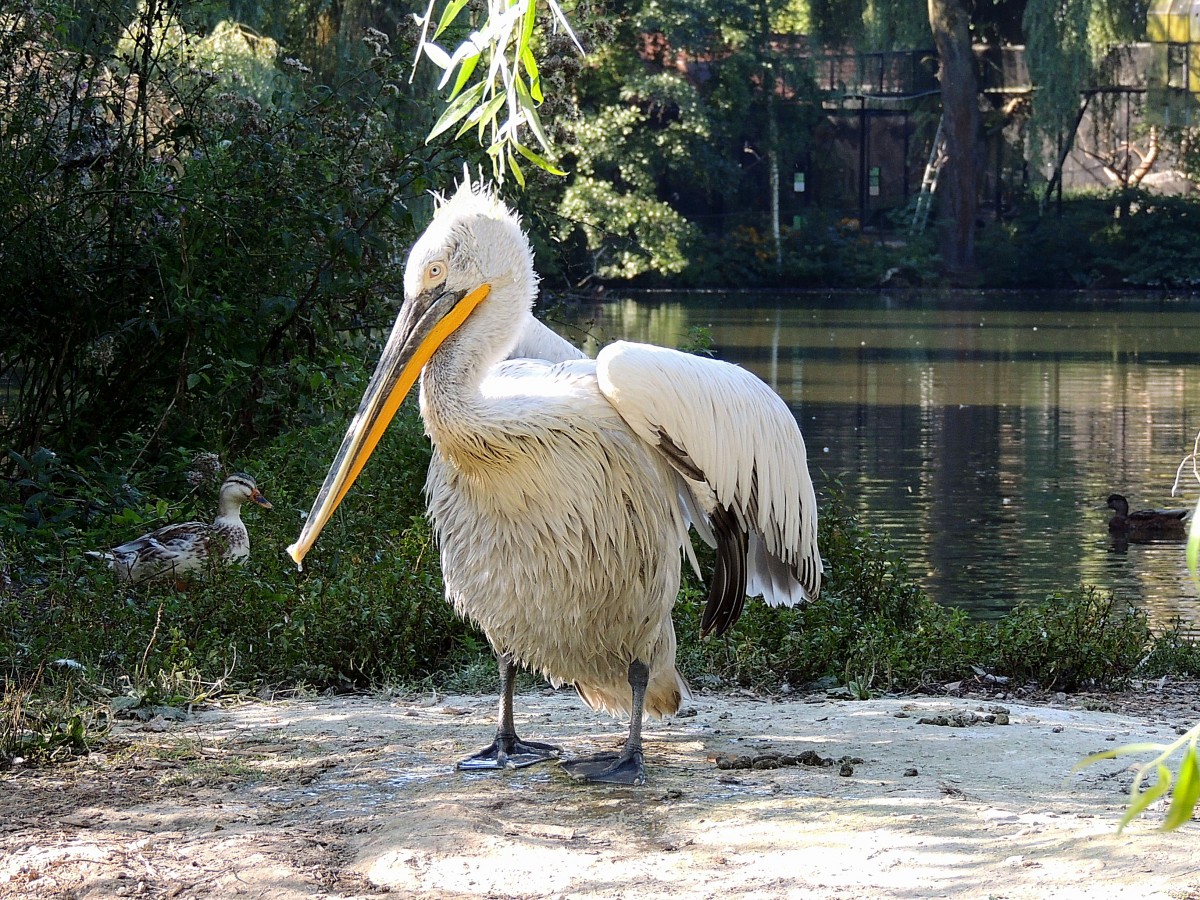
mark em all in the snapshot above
pixel 727 593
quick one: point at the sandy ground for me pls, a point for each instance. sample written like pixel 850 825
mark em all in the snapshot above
pixel 357 797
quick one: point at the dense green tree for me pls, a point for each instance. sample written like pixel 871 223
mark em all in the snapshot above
pixel 197 233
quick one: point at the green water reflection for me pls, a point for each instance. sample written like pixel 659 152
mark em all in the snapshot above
pixel 982 435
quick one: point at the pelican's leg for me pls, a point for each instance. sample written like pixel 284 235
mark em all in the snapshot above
pixel 507 750
pixel 626 767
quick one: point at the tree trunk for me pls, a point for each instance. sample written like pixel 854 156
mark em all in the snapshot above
pixel 773 148
pixel 958 186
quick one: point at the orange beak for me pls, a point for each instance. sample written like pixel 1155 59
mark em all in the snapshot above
pixel 423 325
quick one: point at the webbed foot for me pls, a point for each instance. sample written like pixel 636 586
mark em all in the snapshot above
pixel 508 752
pixel 626 767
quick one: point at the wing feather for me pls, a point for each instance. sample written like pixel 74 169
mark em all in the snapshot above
pixel 738 447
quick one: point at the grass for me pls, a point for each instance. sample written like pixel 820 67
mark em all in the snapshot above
pixel 368 612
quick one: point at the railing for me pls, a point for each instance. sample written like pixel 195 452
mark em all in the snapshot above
pixel 898 73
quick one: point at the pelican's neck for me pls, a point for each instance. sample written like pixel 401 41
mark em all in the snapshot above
pixel 454 406
pixel 452 402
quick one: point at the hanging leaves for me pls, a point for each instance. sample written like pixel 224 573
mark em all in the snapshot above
pixel 1186 781
pixel 1065 43
pixel 498 100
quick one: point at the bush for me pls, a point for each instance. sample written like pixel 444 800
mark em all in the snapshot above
pixel 195 267
pixel 1174 652
pixel 1069 641
pixel 872 624
pixel 1121 239
pixel 367 610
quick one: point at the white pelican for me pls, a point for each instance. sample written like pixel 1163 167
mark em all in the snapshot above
pixel 175 549
pixel 561 491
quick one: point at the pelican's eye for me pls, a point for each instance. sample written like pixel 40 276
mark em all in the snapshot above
pixel 435 272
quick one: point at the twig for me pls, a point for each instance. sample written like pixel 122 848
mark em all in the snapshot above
pixel 153 635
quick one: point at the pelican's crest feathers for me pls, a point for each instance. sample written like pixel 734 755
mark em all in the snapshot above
pixel 472 198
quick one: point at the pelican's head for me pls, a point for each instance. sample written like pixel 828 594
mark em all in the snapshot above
pixel 470 273
pixel 473 241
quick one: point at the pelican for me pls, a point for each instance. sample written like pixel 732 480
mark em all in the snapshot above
pixel 561 489
pixel 175 549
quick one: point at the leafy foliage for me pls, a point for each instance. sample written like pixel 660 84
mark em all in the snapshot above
pixel 194 265
pixel 1186 779
pixel 658 133
pixel 1067 643
pixel 1059 55
pixel 498 100
pixel 874 626
pixel 44 718
pixel 367 610
pixel 1121 239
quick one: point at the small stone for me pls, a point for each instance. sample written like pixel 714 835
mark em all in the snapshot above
pixel 846 770
pixel 1057 729
pixel 999 815
pixel 812 758
pixel 911 773
pixel 1002 719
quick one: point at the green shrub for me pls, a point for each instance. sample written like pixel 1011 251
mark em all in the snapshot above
pixel 1073 640
pixel 367 610
pixel 872 624
pixel 195 267
pixel 1119 239
pixel 1175 651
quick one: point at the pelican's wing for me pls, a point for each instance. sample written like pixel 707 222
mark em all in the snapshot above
pixel 738 447
pixel 539 342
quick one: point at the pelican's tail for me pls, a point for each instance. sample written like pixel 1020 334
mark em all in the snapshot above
pixel 664 694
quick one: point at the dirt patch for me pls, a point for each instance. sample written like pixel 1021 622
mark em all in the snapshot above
pixel 813 798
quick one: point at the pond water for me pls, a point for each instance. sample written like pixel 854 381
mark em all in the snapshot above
pixel 980 433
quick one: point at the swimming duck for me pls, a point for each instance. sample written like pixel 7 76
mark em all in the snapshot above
pixel 1145 521
pixel 179 548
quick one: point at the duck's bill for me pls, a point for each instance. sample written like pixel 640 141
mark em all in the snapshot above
pixel 262 501
pixel 422 326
